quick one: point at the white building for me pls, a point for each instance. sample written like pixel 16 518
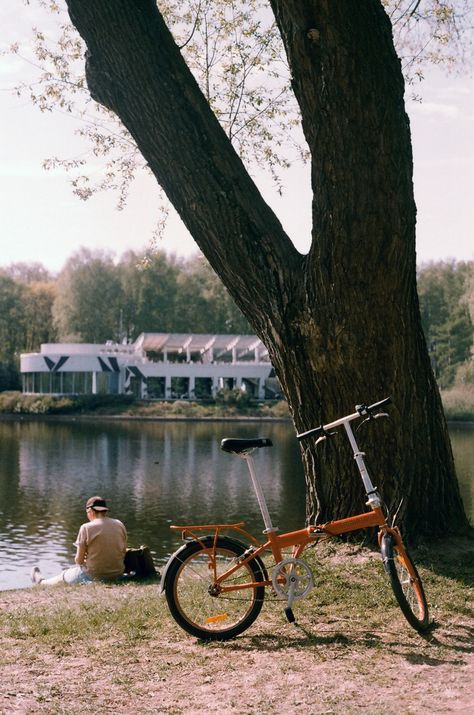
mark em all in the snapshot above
pixel 155 366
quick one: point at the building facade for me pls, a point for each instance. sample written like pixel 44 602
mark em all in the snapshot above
pixel 163 366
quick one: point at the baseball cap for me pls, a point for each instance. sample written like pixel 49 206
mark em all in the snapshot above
pixel 97 503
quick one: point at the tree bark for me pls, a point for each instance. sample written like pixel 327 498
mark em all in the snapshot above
pixel 341 324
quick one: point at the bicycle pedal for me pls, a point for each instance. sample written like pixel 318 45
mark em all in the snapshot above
pixel 290 615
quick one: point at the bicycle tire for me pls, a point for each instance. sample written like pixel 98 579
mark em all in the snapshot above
pixel 188 584
pixel 406 584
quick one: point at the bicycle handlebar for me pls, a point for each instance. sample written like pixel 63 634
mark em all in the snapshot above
pixel 361 411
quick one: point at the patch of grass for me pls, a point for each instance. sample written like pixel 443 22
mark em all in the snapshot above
pixel 125 612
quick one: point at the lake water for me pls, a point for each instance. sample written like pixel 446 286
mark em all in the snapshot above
pixel 153 474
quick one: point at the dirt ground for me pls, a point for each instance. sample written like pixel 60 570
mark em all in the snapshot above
pixel 326 666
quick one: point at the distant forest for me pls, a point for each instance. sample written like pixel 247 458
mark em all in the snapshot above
pixel 95 298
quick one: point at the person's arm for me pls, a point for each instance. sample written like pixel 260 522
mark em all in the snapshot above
pixel 80 554
pixel 81 547
pixel 126 541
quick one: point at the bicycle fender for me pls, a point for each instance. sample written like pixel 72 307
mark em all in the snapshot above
pixel 386 548
pixel 176 554
pixel 164 572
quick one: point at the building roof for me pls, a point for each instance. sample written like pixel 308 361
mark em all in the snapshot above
pixel 180 342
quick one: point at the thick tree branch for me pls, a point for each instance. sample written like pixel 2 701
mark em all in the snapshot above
pixel 138 72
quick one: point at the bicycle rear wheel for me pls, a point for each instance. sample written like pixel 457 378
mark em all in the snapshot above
pixel 406 584
pixel 194 601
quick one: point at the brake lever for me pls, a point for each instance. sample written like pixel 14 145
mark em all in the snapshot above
pixel 324 436
pixel 372 417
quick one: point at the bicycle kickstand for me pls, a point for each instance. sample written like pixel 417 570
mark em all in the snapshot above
pixel 291 593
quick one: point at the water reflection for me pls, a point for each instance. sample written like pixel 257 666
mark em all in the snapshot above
pixel 462 440
pixel 153 474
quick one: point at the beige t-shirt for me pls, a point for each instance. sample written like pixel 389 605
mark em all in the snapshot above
pixel 105 540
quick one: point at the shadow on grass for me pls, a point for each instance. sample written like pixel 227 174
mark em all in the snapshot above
pixel 302 638
pixel 418 649
pixel 452 557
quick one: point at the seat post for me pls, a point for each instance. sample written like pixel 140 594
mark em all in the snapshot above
pixel 259 493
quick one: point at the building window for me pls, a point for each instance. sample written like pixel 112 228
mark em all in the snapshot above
pixel 251 386
pixel 203 388
pixel 227 383
pixel 64 383
pixel 56 383
pixel 44 382
pixel 68 383
pixel 82 383
pixel 179 388
pixel 136 386
pixel 107 383
pixel 156 388
pixel 29 382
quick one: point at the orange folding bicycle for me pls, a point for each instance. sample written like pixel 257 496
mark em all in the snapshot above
pixel 215 584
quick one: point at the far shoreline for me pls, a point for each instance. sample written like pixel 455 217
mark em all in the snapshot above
pixel 232 406
pixel 97 417
pixel 71 417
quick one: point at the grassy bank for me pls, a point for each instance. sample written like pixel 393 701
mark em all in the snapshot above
pixel 75 649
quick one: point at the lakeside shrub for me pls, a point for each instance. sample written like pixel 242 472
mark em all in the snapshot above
pixel 18 403
pixel 107 403
pixel 278 409
pixel 458 403
pixel 233 398
pixel 8 401
pixel 227 405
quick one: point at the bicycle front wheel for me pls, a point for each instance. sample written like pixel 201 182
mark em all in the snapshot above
pixel 198 605
pixel 406 584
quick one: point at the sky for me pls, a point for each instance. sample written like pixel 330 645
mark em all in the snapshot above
pixel 42 220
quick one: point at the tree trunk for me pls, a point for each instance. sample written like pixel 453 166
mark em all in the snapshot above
pixel 341 324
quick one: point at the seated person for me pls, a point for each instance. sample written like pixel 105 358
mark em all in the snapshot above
pixel 100 549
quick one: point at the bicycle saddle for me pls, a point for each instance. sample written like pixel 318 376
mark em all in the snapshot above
pixel 237 446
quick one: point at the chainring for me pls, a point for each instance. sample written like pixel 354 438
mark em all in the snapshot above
pixel 292 576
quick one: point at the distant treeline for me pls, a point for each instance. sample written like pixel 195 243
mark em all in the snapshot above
pixel 446 292
pixel 96 298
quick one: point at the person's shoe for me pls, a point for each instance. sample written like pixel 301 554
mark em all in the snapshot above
pixel 36 575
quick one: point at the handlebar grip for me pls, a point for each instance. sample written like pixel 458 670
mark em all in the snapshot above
pixel 376 405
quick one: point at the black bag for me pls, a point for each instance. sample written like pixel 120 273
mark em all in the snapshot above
pixel 139 563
